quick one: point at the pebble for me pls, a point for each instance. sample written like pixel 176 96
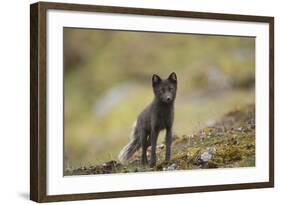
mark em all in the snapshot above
pixel 206 156
pixel 161 146
pixel 171 167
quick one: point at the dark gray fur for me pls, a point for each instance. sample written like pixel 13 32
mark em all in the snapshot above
pixel 157 116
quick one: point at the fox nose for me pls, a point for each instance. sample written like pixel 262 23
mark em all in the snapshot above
pixel 168 98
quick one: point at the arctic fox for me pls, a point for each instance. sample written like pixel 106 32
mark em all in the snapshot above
pixel 158 115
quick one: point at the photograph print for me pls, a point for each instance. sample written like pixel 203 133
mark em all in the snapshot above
pixel 149 101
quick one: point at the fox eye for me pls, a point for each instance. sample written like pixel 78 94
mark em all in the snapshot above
pixel 171 88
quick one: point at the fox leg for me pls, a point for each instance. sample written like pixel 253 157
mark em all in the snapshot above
pixel 144 144
pixel 168 143
pixel 153 140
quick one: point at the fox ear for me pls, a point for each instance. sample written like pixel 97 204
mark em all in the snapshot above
pixel 156 79
pixel 173 77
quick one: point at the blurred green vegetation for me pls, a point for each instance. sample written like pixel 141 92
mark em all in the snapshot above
pixel 107 83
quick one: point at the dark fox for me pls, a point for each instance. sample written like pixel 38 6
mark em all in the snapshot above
pixel 158 115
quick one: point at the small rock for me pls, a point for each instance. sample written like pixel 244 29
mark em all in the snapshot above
pixel 239 128
pixel 172 167
pixel 161 146
pixel 206 156
pixel 212 150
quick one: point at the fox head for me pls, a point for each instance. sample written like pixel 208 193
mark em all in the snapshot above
pixel 165 90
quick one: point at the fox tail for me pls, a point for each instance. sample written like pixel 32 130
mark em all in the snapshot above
pixel 134 144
